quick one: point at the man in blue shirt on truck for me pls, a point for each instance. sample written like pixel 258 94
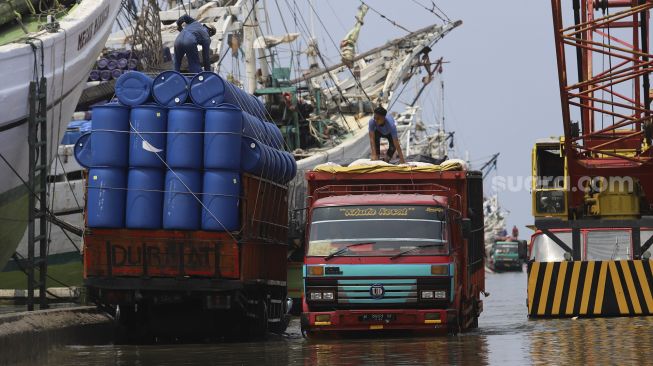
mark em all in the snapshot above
pixel 382 125
pixel 191 34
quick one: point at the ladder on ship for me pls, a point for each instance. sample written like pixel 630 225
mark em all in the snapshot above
pixel 37 234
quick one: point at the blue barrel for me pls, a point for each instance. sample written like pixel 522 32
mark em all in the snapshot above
pixel 185 138
pixel 132 64
pixel 170 88
pixel 254 156
pixel 279 166
pixel 147 138
pixel 83 150
pixel 259 107
pixel 221 198
pixel 208 89
pixel 144 198
pixel 222 138
pixel 292 164
pixel 106 197
pixel 94 75
pixel 181 209
pixel 110 127
pixel 102 63
pixel 274 135
pixel 255 128
pixel 105 75
pixel 133 88
pixel 112 64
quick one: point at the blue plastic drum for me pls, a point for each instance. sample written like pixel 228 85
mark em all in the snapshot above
pixel 170 88
pixel 147 139
pixel 208 89
pixel 185 138
pixel 144 198
pixel 83 150
pixel 275 137
pixel 293 166
pixel 133 88
pixel 181 205
pixel 290 167
pixel 221 198
pixel 279 166
pixel 222 138
pixel 110 128
pixel 255 128
pixel 106 197
pixel 254 157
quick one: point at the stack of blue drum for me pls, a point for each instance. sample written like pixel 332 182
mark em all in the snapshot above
pixel 112 65
pixel 159 161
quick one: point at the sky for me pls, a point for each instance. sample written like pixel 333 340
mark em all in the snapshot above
pixel 501 83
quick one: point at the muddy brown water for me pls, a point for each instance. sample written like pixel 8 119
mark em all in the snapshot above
pixel 505 337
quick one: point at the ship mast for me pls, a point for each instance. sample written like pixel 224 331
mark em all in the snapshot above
pixel 249 8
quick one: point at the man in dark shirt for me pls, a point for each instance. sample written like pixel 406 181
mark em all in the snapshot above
pixel 191 34
pixel 380 126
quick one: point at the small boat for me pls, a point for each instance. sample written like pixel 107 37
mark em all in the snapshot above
pixel 62 50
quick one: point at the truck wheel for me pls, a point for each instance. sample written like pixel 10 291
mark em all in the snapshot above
pixel 474 324
pixel 280 326
pixel 258 320
pixel 131 325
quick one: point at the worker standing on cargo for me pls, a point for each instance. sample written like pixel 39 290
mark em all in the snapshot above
pixel 191 34
pixel 383 125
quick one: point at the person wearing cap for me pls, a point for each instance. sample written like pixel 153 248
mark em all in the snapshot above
pixel 380 126
pixel 191 34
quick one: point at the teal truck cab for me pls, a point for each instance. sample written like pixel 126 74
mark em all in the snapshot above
pixel 507 255
pixel 393 249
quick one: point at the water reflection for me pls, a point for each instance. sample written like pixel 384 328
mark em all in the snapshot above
pixel 593 341
pixel 468 349
pixel 505 337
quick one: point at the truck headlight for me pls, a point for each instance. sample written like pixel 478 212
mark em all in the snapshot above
pixel 327 296
pixel 427 294
pixel 316 296
pixel 439 294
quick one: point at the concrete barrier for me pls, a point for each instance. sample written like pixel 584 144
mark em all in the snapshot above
pixel 28 337
pixel 53 293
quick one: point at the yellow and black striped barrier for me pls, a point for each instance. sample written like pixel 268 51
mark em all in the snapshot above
pixel 591 288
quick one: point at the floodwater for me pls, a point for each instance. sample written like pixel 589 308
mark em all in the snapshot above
pixel 505 337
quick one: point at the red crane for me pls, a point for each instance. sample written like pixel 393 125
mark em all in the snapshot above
pixel 605 98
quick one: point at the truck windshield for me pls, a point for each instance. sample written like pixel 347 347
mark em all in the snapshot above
pixel 506 249
pixel 383 230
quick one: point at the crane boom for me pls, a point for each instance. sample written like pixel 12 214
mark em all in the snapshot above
pixel 605 97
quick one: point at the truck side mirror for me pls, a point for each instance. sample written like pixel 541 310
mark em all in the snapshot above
pixel 467 227
pixel 523 249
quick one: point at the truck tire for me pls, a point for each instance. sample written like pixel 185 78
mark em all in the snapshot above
pixel 281 326
pixel 131 325
pixel 257 320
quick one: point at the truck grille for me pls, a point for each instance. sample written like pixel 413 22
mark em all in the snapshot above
pixel 377 292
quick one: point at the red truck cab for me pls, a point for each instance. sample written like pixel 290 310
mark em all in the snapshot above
pixel 393 251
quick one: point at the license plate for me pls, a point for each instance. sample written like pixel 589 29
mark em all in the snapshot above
pixel 377 317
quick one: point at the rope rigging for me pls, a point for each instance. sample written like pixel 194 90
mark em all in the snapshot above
pixel 317 15
pixel 386 18
pixel 442 16
pixel 319 54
